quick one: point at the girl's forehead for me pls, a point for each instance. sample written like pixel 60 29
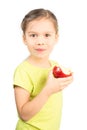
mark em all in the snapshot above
pixel 41 20
pixel 42 23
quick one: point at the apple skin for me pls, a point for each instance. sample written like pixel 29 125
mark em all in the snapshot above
pixel 58 73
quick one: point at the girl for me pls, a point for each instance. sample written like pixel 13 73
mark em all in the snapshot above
pixel 38 94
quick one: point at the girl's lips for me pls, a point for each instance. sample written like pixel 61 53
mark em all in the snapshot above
pixel 40 49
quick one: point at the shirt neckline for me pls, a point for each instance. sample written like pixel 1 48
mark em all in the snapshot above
pixel 37 67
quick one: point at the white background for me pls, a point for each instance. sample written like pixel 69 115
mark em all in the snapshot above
pixel 70 52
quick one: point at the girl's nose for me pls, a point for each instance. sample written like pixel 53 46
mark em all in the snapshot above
pixel 40 40
pixel 40 43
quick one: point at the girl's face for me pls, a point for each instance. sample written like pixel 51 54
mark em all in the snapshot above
pixel 40 38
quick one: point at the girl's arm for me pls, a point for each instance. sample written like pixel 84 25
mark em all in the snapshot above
pixel 26 108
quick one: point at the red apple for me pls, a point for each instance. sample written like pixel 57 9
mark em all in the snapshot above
pixel 58 73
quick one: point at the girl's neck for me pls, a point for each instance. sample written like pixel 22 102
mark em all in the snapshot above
pixel 39 62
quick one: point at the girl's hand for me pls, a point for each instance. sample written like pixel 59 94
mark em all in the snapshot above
pixel 55 85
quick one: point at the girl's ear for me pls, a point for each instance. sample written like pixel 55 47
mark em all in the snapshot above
pixel 24 39
pixel 57 38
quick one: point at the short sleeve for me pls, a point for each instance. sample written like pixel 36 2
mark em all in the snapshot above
pixel 21 78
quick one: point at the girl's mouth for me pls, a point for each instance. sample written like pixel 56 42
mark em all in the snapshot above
pixel 40 49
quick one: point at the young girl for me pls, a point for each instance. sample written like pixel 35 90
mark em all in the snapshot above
pixel 38 94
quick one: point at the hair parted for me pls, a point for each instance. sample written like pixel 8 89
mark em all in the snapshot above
pixel 38 14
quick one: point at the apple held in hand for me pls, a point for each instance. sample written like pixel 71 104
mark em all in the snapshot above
pixel 58 73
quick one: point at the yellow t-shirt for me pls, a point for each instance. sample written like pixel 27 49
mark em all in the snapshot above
pixel 33 79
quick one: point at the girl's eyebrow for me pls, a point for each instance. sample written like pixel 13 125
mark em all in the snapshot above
pixel 32 32
pixel 44 32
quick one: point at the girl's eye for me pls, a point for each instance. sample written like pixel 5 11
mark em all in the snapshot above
pixel 33 35
pixel 47 35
